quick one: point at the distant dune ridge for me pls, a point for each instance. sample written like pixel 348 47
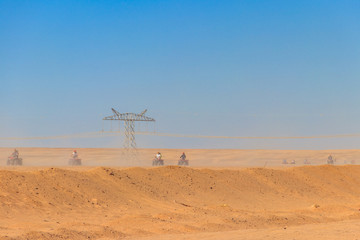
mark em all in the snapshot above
pixel 168 202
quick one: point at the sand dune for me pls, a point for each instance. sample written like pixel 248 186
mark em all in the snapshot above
pixel 178 202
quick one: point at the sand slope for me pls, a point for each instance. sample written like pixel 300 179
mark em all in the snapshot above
pixel 113 203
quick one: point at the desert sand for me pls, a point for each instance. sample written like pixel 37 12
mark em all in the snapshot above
pixel 198 157
pixel 224 194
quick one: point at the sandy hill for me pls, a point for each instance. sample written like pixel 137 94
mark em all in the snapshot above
pixel 116 203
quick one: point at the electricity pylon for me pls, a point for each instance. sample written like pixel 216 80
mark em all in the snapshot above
pixel 129 122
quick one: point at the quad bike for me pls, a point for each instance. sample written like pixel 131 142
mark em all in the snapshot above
pixel 307 162
pixel 14 161
pixel 158 162
pixel 330 161
pixel 75 161
pixel 183 162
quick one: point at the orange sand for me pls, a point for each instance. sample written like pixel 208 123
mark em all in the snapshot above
pixel 220 201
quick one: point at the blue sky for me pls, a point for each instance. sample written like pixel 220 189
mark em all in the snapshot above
pixel 236 68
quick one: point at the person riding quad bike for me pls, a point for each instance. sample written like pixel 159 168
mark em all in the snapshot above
pixel 158 161
pixel 14 159
pixel 330 160
pixel 74 160
pixel 182 160
pixel 307 162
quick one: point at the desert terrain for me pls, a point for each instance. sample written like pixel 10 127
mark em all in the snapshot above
pixel 224 194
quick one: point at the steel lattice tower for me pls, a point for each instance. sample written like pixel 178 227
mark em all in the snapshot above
pixel 129 122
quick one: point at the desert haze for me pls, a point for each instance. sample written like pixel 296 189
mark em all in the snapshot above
pixel 224 194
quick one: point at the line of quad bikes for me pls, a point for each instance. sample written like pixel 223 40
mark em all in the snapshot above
pixel 160 162
pixel 75 161
pixel 330 161
pixel 16 161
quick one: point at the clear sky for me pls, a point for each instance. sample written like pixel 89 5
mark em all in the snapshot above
pixel 235 68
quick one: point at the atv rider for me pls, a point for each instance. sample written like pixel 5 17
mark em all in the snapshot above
pixel 158 156
pixel 330 159
pixel 15 154
pixel 74 154
pixel 14 159
pixel 183 157
pixel 306 161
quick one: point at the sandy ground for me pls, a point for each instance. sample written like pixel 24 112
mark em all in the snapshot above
pixel 228 195
pixel 198 157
